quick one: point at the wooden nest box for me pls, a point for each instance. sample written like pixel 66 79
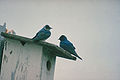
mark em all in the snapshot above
pixel 24 59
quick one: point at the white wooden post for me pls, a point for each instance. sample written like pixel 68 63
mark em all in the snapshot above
pixel 2 29
pixel 26 60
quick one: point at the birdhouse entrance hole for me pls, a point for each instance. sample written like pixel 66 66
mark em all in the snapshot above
pixel 48 65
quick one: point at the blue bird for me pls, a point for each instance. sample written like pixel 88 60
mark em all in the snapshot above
pixel 43 34
pixel 67 45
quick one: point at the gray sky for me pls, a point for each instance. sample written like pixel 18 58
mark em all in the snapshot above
pixel 92 25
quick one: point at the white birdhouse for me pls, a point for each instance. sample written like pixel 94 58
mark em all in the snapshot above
pixel 24 59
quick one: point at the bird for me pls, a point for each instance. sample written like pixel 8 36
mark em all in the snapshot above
pixel 68 46
pixel 43 34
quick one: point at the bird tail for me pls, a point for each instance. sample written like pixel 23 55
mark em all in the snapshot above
pixel 78 56
pixel 35 39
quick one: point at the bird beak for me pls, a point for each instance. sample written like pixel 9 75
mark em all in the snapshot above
pixel 51 28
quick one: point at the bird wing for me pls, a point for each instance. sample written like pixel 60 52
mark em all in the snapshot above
pixel 70 44
pixel 67 45
pixel 41 33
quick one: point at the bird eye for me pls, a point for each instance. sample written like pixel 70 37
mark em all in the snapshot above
pixel 47 27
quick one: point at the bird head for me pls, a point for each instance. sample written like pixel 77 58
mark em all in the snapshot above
pixel 47 27
pixel 62 38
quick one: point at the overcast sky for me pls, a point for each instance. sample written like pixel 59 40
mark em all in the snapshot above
pixel 92 25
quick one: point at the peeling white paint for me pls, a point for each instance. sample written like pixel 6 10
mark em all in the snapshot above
pixel 26 62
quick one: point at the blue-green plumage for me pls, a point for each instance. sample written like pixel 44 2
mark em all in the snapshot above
pixel 68 46
pixel 43 34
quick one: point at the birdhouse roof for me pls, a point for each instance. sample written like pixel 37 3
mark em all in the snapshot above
pixel 57 51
